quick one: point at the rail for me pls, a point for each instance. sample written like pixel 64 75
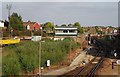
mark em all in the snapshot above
pixel 89 69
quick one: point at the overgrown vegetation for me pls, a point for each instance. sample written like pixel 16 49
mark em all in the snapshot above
pixel 10 64
pixel 22 57
pixel 55 51
pixel 25 56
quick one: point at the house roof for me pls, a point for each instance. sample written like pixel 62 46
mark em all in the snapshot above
pixel 28 23
pixel 33 25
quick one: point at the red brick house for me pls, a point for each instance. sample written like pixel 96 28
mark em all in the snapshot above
pixel 31 25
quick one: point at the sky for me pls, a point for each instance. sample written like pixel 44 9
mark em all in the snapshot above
pixel 59 0
pixel 86 12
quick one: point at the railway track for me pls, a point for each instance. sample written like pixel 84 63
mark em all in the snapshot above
pixel 95 68
pixel 89 69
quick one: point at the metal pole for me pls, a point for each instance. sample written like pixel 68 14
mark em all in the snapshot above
pixel 40 72
pixel 8 7
pixel 40 58
pixel 70 49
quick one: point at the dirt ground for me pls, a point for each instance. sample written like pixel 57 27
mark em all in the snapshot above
pixel 106 68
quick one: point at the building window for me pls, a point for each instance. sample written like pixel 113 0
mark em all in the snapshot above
pixel 65 31
pixel 71 31
pixel 28 27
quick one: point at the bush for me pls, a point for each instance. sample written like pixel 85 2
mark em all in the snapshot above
pixel 28 55
pixel 55 51
pixel 6 33
pixel 37 33
pixel 25 55
pixel 10 62
pixel 25 33
pixel 15 33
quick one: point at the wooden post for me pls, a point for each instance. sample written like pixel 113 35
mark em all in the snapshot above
pixel 112 65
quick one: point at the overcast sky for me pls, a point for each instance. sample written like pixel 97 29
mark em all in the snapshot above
pixel 59 0
pixel 87 13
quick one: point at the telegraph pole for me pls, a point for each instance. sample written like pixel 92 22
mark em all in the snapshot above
pixel 8 7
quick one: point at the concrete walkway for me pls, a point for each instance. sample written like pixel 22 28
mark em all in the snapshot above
pixel 61 71
pixel 72 66
pixel 78 59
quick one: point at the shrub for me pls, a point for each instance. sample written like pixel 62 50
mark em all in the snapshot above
pixel 26 55
pixel 55 51
pixel 37 33
pixel 10 63
pixel 25 33
pixel 6 33
pixel 15 33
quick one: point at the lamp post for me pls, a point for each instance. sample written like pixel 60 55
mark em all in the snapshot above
pixel 40 73
pixel 70 49
pixel 39 58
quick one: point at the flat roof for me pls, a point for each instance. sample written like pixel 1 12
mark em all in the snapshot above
pixel 64 28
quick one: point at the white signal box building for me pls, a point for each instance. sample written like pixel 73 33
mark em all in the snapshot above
pixel 66 31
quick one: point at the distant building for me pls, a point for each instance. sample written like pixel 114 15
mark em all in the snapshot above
pixel 106 30
pixel 32 25
pixel 1 23
pixel 66 31
pixel 6 24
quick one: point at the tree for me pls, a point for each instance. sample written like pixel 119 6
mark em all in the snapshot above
pixel 97 29
pixel 110 27
pixel 48 27
pixel 16 22
pixel 70 25
pixel 118 30
pixel 63 25
pixel 77 24
pixel 80 29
